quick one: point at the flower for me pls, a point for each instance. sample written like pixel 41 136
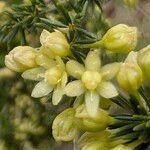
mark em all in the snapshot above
pixel 130 75
pixel 143 59
pixel 122 147
pixel 54 44
pixel 120 38
pixel 21 58
pixel 63 126
pixel 94 141
pixel 92 80
pixel 52 77
pixel 92 124
pixel 130 3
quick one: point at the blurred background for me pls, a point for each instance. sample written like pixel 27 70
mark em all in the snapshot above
pixel 25 123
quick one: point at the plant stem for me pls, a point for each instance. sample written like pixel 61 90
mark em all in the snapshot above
pixel 93 45
pixel 141 102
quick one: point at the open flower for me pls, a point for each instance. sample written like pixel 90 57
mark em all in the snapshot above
pixel 92 80
pixel 52 77
pixel 54 44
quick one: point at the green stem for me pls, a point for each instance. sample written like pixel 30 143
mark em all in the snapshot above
pixel 141 102
pixel 134 144
pixel 93 45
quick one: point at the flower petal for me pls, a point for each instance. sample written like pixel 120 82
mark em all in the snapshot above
pixel 11 64
pixel 131 58
pixel 74 88
pixel 60 62
pixel 92 102
pixel 107 90
pixel 57 95
pixel 41 89
pixel 45 61
pixel 109 71
pixel 75 69
pixel 64 80
pixel 93 61
pixel 63 127
pixel 44 36
pixel 35 74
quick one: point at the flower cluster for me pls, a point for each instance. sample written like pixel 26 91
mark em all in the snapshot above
pixel 85 83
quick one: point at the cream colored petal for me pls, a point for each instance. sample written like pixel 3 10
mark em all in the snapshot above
pixel 75 69
pixel 35 74
pixel 132 57
pixel 92 100
pixel 25 56
pixel 74 88
pixel 57 95
pixel 11 64
pixel 41 89
pixel 92 61
pixel 45 61
pixel 44 36
pixel 109 71
pixel 107 90
pixel 60 63
pixel 64 80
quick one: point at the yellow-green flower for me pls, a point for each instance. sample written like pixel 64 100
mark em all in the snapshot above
pixel 94 141
pixel 130 75
pixel 63 126
pixel 120 38
pixel 143 59
pixel 54 44
pixel 92 80
pixel 130 3
pixel 52 77
pixel 122 147
pixel 21 58
pixel 92 124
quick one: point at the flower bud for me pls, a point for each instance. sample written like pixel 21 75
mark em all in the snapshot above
pixel 130 3
pixel 94 141
pixel 120 38
pixel 63 126
pixel 21 58
pixel 87 123
pixel 122 147
pixel 54 44
pixel 143 59
pixel 130 77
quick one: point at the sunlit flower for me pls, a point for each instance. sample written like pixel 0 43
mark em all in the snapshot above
pixel 130 3
pixel 54 44
pixel 92 80
pixel 122 147
pixel 94 141
pixel 120 38
pixel 52 77
pixel 130 75
pixel 143 59
pixel 21 58
pixel 92 124
pixel 63 126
